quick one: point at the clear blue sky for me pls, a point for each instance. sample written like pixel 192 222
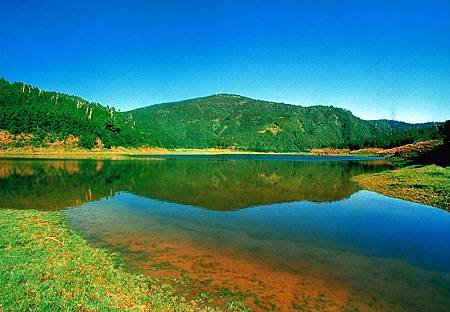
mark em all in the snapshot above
pixel 380 59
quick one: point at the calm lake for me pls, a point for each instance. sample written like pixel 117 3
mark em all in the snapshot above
pixel 284 232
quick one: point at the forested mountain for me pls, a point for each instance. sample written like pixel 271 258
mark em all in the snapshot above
pixel 399 125
pixel 30 116
pixel 37 117
pixel 232 121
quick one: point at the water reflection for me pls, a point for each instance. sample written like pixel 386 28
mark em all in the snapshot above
pixel 312 240
pixel 368 251
pixel 213 183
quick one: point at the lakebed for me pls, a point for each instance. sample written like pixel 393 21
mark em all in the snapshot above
pixel 272 232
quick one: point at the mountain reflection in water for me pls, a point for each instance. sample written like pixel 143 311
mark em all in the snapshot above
pixel 212 184
pixel 311 239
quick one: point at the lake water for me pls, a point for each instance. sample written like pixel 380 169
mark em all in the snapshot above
pixel 282 232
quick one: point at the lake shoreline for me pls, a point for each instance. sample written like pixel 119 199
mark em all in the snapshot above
pixel 428 185
pixel 384 183
pixel 61 256
pixel 404 151
pixel 122 153
pixel 401 154
pixel 44 263
pixel 118 153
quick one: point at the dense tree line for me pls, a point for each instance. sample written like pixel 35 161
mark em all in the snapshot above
pixel 445 130
pixel 51 116
pixel 223 121
pixel 230 121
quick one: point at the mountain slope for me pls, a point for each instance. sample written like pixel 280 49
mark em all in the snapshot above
pixel 395 125
pixel 39 118
pixel 30 116
pixel 232 121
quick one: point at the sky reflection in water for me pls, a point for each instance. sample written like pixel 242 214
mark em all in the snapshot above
pixel 301 218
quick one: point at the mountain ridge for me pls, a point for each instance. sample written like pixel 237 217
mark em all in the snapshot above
pixel 221 120
pixel 296 127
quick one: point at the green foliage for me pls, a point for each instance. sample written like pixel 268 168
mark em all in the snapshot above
pixel 219 121
pixel 392 133
pixel 445 131
pixel 231 121
pixel 52 116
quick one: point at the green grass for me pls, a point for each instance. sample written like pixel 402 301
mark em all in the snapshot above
pixel 45 266
pixel 429 185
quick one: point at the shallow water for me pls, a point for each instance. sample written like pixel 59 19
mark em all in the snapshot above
pixel 285 233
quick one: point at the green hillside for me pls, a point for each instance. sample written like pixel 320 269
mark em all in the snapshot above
pixel 31 116
pixel 232 121
pixel 52 117
pixel 399 125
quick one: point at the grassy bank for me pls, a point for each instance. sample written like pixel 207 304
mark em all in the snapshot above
pixel 432 151
pixel 124 153
pixel 46 266
pixel 429 185
pixel 119 152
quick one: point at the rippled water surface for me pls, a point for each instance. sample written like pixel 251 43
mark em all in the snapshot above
pixel 285 233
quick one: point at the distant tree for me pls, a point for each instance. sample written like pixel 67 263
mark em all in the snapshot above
pixel 445 131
